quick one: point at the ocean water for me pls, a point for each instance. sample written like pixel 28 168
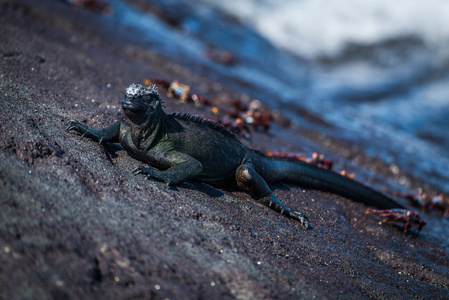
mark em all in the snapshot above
pixel 312 28
pixel 372 68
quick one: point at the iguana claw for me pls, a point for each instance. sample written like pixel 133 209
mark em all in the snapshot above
pixel 73 124
pixel 82 136
pixel 137 170
pixel 85 131
pixel 143 170
pixel 302 218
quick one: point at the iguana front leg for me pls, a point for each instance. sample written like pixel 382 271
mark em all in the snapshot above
pixel 182 168
pixel 249 180
pixel 108 134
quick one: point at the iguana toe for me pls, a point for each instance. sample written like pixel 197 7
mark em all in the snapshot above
pixel 145 170
pixel 73 124
pixel 302 218
pixel 138 170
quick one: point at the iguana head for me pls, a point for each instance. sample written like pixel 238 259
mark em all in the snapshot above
pixel 141 102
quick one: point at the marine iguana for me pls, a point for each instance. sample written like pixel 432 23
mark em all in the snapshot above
pixel 179 147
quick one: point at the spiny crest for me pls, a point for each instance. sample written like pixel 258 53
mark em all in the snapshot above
pixel 138 90
pixel 206 122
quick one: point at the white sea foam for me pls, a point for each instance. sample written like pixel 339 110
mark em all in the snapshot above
pixel 316 27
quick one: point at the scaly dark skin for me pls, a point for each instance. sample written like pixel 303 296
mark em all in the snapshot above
pixel 179 147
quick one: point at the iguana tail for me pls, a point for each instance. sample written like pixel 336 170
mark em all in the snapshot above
pixel 306 175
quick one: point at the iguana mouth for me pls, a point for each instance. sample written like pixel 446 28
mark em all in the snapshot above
pixel 133 106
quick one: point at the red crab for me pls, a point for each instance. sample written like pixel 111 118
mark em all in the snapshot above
pixel 397 214
pixel 315 159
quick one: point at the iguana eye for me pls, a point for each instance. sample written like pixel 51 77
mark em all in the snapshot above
pixel 149 98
